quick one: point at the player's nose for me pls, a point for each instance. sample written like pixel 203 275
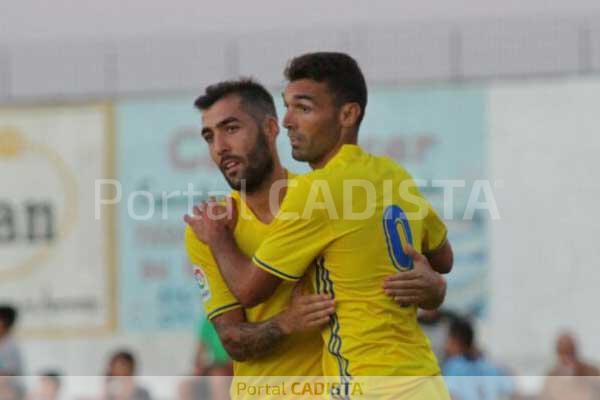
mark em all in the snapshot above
pixel 288 120
pixel 221 145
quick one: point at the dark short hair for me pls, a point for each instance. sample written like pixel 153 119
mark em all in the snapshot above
pixel 53 376
pixel 255 98
pixel 8 315
pixel 126 356
pixel 339 71
pixel 462 330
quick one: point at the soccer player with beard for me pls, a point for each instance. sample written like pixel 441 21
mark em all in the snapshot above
pixel 279 337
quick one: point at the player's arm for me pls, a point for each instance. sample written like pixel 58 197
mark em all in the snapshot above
pixel 211 224
pixel 249 284
pixel 434 240
pixel 294 241
pixel 424 286
pixel 442 258
pixel 435 244
pixel 245 340
pixel 421 286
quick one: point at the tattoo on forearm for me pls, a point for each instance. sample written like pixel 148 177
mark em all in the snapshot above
pixel 246 341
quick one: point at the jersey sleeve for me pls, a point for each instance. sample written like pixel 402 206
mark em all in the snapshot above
pixel 299 233
pixel 434 230
pixel 216 296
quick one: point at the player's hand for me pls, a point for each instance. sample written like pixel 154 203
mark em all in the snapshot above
pixel 211 219
pixel 306 312
pixel 421 286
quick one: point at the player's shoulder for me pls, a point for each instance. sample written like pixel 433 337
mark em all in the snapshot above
pixel 358 161
pixel 389 163
pixel 302 187
pixel 385 167
pixel 189 235
pixel 191 239
pixel 303 182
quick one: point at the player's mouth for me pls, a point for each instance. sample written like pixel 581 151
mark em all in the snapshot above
pixel 295 140
pixel 230 165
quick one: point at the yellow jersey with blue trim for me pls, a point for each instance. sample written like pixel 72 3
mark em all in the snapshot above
pixel 353 216
pixel 296 355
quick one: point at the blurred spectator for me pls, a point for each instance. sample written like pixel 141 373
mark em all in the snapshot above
pixel 48 387
pixel 436 324
pixel 211 356
pixel 571 377
pixel 9 390
pixel 468 374
pixel 11 363
pixel 212 363
pixel 10 355
pixel 568 361
pixel 120 381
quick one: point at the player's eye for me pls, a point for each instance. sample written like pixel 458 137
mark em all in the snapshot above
pixel 231 128
pixel 208 138
pixel 303 108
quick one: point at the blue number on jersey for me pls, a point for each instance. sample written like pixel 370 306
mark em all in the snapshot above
pixel 394 216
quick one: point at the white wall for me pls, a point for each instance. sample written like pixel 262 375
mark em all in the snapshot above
pixel 545 147
pixel 82 49
pixel 74 19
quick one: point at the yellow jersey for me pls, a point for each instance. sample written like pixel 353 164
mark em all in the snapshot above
pixel 353 216
pixel 297 354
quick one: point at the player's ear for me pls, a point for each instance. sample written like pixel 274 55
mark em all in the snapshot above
pixel 349 114
pixel 271 128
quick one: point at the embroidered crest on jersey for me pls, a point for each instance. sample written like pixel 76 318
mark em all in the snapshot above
pixel 200 277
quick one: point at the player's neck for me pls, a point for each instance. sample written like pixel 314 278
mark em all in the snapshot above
pixel 259 201
pixel 349 138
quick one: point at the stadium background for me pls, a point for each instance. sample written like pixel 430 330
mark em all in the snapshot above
pixel 507 95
